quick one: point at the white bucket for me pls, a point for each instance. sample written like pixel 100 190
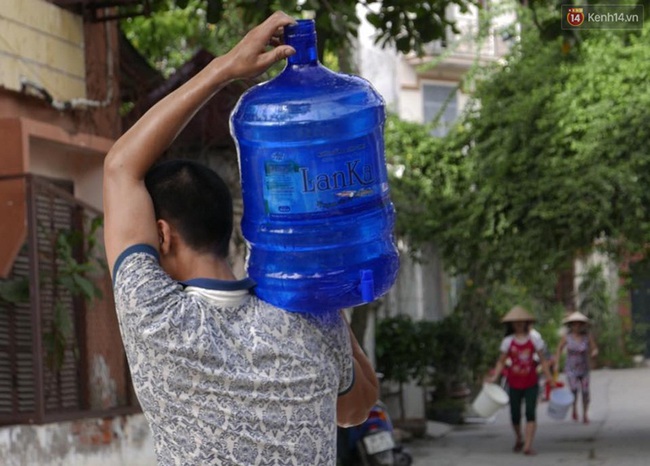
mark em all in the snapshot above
pixel 491 399
pixel 559 403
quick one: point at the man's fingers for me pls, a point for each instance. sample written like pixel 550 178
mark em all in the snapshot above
pixel 277 20
pixel 284 51
pixel 277 54
pixel 275 41
pixel 251 56
pixel 272 26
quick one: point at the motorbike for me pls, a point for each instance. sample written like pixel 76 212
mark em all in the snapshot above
pixel 372 443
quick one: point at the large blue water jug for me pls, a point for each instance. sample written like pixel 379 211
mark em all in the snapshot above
pixel 317 214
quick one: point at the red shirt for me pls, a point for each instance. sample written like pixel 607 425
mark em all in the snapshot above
pixel 523 371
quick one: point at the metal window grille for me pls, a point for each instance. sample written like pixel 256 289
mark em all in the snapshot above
pixel 46 347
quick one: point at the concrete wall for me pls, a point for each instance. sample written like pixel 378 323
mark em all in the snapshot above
pixel 84 169
pixel 121 441
pixel 376 64
pixel 423 290
pixel 42 43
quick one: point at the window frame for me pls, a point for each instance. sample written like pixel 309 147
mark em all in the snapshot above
pixel 13 411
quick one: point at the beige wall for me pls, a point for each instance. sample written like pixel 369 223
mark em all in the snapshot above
pixel 68 163
pixel 44 44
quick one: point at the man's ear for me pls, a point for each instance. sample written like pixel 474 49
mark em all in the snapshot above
pixel 164 236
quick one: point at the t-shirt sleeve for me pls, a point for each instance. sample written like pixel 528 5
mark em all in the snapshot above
pixel 147 299
pixel 343 351
pixel 538 342
pixel 505 344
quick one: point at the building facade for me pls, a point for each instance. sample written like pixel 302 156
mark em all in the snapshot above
pixel 65 390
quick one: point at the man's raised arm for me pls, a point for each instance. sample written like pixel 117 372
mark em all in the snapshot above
pixel 128 211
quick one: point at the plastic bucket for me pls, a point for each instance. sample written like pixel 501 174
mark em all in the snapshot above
pixel 547 388
pixel 491 399
pixel 559 403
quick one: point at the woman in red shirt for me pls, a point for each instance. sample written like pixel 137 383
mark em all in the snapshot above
pixel 520 347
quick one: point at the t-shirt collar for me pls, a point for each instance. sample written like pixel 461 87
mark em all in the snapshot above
pixel 219 285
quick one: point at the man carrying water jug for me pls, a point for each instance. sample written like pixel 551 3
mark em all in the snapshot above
pixel 223 378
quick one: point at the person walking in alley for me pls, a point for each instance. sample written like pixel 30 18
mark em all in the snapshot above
pixel 580 349
pixel 223 377
pixel 520 346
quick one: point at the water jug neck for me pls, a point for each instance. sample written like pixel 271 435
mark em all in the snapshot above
pixel 302 37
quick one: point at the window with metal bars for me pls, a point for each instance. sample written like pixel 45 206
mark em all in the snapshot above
pixel 61 356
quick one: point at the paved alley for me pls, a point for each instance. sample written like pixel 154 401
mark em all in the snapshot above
pixel 618 435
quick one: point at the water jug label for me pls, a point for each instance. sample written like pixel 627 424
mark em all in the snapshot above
pixel 297 182
pixel 350 176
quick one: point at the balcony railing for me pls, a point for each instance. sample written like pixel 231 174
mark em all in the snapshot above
pixel 469 43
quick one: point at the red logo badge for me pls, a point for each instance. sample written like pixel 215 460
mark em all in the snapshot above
pixel 575 17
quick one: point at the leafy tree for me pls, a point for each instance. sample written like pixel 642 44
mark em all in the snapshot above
pixel 549 161
pixel 177 27
pixel 170 36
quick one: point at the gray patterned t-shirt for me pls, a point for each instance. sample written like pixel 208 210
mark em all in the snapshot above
pixel 239 384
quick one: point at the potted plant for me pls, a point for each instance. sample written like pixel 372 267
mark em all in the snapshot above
pixel 398 352
pixel 449 349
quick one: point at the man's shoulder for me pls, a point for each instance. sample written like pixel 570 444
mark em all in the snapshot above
pixel 130 262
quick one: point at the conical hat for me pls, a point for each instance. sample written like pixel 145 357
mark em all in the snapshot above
pixel 518 314
pixel 576 317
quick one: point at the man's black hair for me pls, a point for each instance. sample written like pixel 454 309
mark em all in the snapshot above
pixel 194 199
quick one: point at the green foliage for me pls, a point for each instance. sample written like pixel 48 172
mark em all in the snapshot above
pixel 409 24
pixel 432 353
pixel 177 28
pixel 450 350
pixel 15 291
pixel 605 138
pixel 635 341
pixel 56 339
pixel 607 327
pixel 397 349
pixel 73 276
pixel 547 163
pixel 176 31
pixel 399 352
pixel 427 169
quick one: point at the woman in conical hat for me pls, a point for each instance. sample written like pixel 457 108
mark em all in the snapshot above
pixel 521 347
pixel 518 314
pixel 576 316
pixel 580 348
